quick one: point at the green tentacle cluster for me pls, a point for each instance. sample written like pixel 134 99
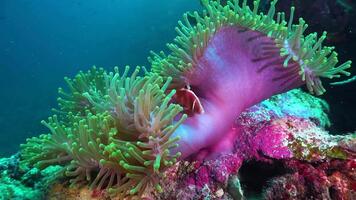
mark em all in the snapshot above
pixel 74 101
pixel 314 59
pixel 121 138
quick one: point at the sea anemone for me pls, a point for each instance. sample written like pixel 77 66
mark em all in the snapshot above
pixel 119 132
pixel 233 57
pixel 123 136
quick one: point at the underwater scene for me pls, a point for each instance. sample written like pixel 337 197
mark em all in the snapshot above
pixel 177 100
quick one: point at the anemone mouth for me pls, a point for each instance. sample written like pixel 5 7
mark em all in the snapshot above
pixel 314 59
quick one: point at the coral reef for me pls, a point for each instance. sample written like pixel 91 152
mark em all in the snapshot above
pixel 22 183
pixel 121 133
pixel 277 155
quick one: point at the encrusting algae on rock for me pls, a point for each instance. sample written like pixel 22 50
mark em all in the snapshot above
pixel 119 132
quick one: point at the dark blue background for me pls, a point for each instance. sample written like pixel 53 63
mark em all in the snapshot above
pixel 41 41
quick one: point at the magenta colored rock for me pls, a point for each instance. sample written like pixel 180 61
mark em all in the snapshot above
pixel 273 142
pixel 328 180
pixel 223 167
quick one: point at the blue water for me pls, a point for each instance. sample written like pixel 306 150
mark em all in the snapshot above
pixel 41 41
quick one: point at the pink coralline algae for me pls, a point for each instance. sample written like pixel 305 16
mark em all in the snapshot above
pixel 312 163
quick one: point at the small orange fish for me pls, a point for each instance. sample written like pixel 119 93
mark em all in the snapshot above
pixel 189 100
